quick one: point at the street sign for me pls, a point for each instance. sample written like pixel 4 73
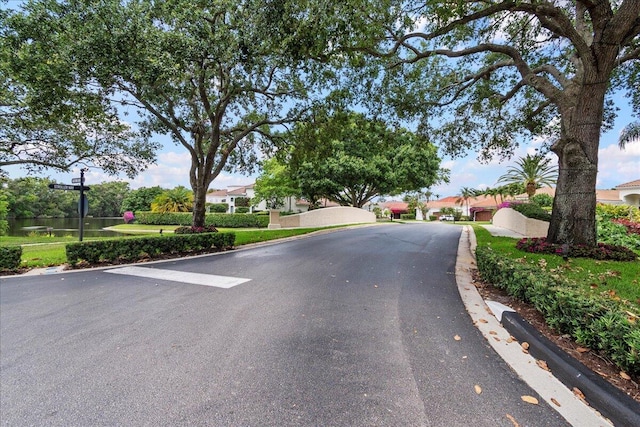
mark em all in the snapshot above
pixel 76 180
pixel 62 187
pixel 69 187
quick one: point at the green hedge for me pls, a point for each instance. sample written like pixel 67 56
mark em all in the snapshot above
pixel 132 249
pixel 531 210
pixel 407 216
pixel 218 207
pixel 215 219
pixel 10 257
pixel 593 321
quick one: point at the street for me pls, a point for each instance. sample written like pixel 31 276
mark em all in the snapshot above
pixel 359 327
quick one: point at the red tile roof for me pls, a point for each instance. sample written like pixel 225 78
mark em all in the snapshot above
pixel 632 184
pixel 395 206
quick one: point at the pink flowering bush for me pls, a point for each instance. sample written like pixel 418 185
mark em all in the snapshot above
pixel 603 251
pixel 128 217
pixel 508 204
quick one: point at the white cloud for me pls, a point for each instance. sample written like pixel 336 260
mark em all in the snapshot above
pixel 616 166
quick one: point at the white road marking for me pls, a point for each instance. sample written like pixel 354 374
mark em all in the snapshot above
pixel 225 282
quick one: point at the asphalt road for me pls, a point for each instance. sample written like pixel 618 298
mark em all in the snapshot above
pixel 352 328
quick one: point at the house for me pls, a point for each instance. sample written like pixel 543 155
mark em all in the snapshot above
pixel 395 207
pixel 629 193
pixel 235 192
pixel 230 195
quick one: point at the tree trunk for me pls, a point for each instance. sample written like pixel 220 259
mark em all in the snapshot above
pixel 199 184
pixel 531 189
pixel 199 208
pixel 573 219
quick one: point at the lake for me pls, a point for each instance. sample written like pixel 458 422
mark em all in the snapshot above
pixel 64 226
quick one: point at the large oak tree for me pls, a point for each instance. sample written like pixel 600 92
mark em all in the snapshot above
pixel 488 74
pixel 199 72
pixel 503 70
pixel 350 159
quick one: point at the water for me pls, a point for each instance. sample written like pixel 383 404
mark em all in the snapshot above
pixel 64 226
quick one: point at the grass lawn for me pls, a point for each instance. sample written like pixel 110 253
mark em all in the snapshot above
pixel 44 251
pixel 614 278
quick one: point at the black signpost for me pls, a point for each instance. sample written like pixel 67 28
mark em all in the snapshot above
pixel 83 205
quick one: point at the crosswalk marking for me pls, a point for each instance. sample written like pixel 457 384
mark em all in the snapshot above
pixel 225 282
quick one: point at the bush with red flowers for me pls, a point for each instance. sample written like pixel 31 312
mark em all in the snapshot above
pixel 600 252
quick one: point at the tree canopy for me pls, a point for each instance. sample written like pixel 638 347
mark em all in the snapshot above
pixel 52 118
pixel 491 74
pixel 200 73
pixel 274 184
pixel 350 159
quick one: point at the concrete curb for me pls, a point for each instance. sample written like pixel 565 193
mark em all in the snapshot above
pixel 577 412
pixel 621 409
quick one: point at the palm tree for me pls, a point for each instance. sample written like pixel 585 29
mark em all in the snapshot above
pixel 629 134
pixel 465 194
pixel 492 192
pixel 532 171
pixel 179 199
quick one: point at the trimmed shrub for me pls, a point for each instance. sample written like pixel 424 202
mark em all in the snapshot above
pixel 242 209
pixel 407 216
pixel 10 257
pixel 218 207
pixel 542 200
pixel 214 219
pixel 594 321
pixel 133 249
pixel 531 210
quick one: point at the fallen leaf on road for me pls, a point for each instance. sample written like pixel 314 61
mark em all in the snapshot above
pixel 555 402
pixel 493 332
pixel 513 420
pixel 624 375
pixel 482 321
pixel 457 338
pixel 530 399
pixel 582 350
pixel 477 388
pixel 525 345
pixel 510 340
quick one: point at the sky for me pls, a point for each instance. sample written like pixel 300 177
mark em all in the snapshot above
pixel 615 166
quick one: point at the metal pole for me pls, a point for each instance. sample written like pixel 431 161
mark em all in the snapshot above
pixel 81 204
